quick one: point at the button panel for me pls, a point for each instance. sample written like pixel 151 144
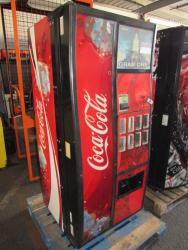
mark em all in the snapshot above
pixel 131 124
pixel 146 121
pixel 122 143
pixel 145 137
pixel 138 124
pixel 136 129
pixel 138 139
pixel 122 125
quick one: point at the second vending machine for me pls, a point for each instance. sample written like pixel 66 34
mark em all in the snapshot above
pixel 92 93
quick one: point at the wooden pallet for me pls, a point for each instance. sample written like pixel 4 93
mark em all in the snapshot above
pixel 164 201
pixel 138 232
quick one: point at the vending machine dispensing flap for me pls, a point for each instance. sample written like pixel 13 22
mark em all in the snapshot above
pixel 126 186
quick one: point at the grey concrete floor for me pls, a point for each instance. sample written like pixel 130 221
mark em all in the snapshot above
pixel 18 232
pixel 176 237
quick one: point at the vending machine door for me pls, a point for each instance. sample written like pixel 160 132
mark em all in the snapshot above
pixel 101 80
pixel 134 104
pixel 108 108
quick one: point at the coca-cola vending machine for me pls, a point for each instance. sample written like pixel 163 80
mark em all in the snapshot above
pixel 92 93
pixel 169 147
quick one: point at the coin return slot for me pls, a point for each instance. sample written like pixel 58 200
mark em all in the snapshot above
pixel 122 143
pixel 131 124
pixel 146 121
pixel 131 184
pixel 138 122
pixel 145 137
pixel 122 125
pixel 130 143
pixel 137 139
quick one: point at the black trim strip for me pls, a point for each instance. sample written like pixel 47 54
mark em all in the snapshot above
pixel 74 102
pixel 135 71
pixel 114 110
pixel 150 114
pixel 59 103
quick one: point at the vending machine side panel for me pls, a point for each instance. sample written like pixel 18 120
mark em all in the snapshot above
pixel 165 170
pixel 43 93
pixel 177 168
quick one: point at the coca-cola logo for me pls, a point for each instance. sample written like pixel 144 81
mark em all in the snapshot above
pixel 40 116
pixel 96 119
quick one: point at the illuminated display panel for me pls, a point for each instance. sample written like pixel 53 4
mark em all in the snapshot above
pixel 134 48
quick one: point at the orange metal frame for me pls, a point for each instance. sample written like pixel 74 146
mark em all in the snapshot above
pixel 88 2
pixel 20 155
pixel 27 121
pixel 15 108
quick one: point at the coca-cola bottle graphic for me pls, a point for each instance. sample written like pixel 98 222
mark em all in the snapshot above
pixel 42 158
pixel 44 83
pixel 100 32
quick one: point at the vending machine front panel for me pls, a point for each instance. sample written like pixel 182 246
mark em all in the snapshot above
pixel 94 41
pixel 134 104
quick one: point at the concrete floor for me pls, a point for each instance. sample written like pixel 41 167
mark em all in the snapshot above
pixel 16 227
pixel 18 232
pixel 176 237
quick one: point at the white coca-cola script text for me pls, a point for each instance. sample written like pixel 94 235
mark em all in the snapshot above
pixel 40 116
pixel 97 122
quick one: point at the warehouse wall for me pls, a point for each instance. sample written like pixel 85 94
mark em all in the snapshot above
pixel 161 23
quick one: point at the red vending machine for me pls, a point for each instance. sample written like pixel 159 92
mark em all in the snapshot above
pixel 92 92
